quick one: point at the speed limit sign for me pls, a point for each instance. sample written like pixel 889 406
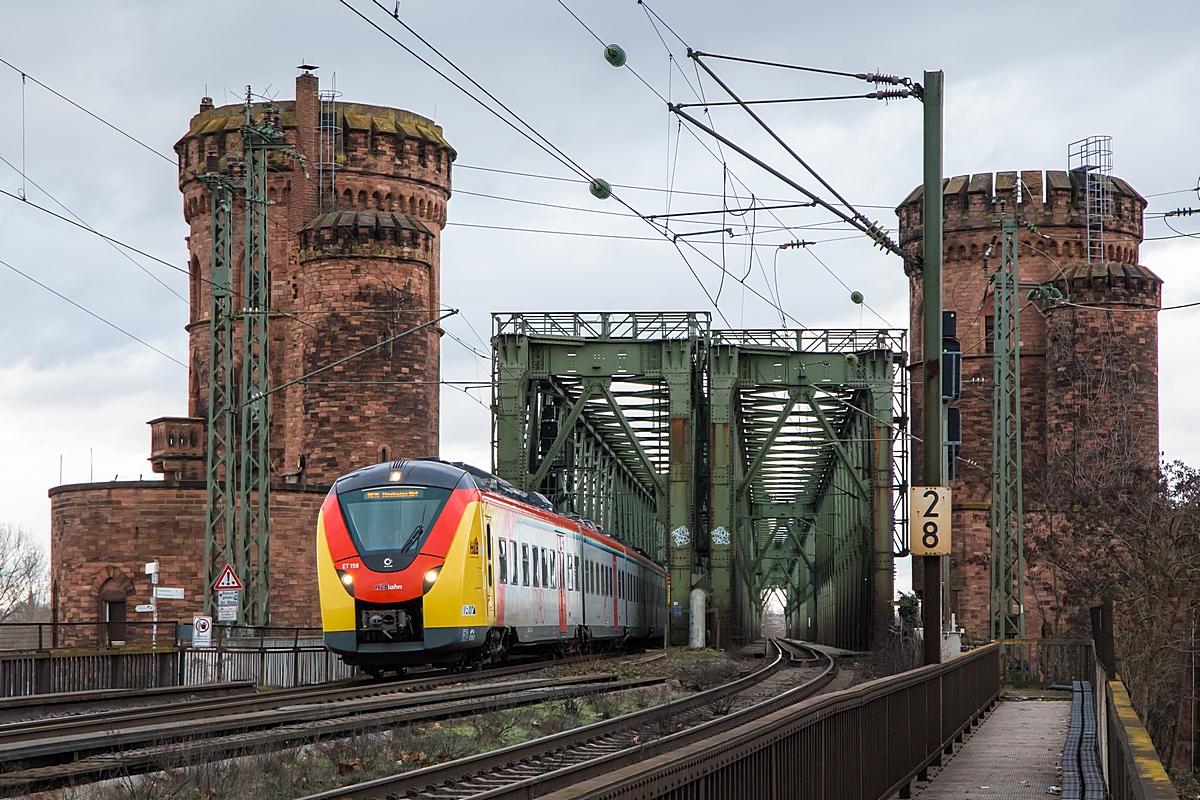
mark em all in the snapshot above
pixel 929 520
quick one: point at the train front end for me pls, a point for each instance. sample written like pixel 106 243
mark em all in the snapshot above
pixel 399 566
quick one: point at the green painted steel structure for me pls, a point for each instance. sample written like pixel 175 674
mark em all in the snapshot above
pixel 751 462
pixel 221 501
pixel 238 469
pixel 1007 590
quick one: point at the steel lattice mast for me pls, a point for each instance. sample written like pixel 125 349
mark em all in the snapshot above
pixel 1007 595
pixel 259 139
pixel 221 474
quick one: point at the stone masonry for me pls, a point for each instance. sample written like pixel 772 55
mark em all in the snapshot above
pixel 1109 314
pixel 347 270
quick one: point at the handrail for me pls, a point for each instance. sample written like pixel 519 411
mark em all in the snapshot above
pixel 821 744
pixel 1134 769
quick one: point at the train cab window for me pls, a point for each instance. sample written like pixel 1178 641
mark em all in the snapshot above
pixel 536 581
pixel 512 548
pixel 525 563
pixel 503 553
pixel 553 571
pixel 392 521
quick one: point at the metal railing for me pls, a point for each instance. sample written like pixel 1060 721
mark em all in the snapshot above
pixel 1132 768
pixel 1039 663
pixel 816 340
pixel 864 743
pixel 605 325
pixel 37 636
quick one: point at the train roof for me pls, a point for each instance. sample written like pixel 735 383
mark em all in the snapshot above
pixel 458 475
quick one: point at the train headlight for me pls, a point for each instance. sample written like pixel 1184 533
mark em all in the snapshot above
pixel 347 579
pixel 430 577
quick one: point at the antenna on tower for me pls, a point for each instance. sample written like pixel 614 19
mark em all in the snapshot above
pixel 1091 158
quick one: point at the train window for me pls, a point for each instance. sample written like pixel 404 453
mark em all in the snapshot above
pixel 577 586
pixel 512 548
pixel 545 574
pixel 553 571
pixel 394 520
pixel 487 534
pixel 525 563
pixel 503 561
pixel 570 584
pixel 621 584
pixel 536 580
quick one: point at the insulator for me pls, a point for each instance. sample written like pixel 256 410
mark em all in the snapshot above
pixel 873 77
pixel 890 94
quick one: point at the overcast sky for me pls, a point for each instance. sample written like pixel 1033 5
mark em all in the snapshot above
pixel 1022 81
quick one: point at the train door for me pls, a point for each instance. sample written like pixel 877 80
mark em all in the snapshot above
pixel 560 568
pixel 489 568
pixel 616 601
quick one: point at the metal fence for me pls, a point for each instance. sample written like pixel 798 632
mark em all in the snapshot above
pixel 280 668
pixel 79 671
pixel 1039 663
pixel 864 743
pixel 36 636
pixel 1132 769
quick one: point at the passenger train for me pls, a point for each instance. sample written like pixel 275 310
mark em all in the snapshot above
pixel 429 562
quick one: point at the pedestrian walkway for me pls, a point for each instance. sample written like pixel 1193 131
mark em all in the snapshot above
pixel 1013 755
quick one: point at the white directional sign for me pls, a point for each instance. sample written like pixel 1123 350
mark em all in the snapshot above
pixel 929 521
pixel 168 593
pixel 144 609
pixel 201 631
pixel 228 579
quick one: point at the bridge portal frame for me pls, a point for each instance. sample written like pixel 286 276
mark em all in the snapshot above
pixel 748 461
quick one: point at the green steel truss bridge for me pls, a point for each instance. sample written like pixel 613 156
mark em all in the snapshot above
pixel 754 463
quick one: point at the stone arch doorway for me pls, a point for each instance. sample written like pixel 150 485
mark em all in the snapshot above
pixel 112 588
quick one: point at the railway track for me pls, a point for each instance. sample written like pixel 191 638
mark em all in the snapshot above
pixel 545 765
pixel 57 704
pixel 45 754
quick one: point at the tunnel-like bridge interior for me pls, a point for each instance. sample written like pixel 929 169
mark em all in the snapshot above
pixel 751 462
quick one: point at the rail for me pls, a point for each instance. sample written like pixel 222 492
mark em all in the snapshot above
pixel 829 746
pixel 543 765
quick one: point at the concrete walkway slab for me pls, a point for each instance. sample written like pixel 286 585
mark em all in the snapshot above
pixel 1013 755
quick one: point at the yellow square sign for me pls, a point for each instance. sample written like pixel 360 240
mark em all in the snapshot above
pixel 929 520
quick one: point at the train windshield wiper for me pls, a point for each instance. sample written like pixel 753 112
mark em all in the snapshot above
pixel 412 537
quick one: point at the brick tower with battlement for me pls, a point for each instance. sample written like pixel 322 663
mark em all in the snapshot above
pixel 1107 323
pixel 353 261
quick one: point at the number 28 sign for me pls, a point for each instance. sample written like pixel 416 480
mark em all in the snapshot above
pixel 929 521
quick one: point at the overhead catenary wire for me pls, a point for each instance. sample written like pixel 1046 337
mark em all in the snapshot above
pixel 531 134
pixel 93 314
pixel 59 203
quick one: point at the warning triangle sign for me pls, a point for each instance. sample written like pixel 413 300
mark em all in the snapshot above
pixel 228 580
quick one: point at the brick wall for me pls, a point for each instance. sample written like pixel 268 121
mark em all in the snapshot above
pixel 1051 337
pixel 110 530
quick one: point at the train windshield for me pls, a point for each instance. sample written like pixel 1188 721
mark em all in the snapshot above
pixel 392 519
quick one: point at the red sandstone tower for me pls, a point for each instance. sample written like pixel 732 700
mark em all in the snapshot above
pixel 1073 421
pixel 353 260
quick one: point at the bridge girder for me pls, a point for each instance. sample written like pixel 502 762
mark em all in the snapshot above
pixel 747 461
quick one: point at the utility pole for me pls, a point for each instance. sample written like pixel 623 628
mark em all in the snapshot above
pixel 931 350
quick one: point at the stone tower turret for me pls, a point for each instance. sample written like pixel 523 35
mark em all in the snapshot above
pixel 348 269
pixel 1107 319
